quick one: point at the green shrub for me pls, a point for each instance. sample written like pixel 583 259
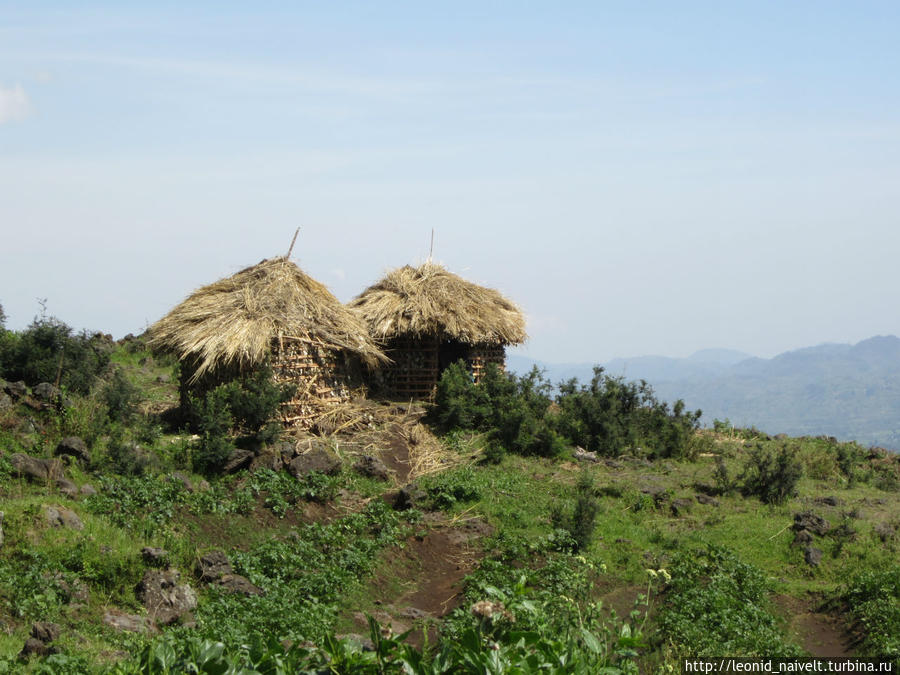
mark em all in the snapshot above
pixel 246 405
pixel 121 397
pixel 716 604
pixel 213 422
pixel 48 348
pixel 513 410
pixel 873 600
pixel 580 520
pixel 611 416
pixel 771 477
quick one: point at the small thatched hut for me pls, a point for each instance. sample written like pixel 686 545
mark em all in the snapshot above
pixel 427 318
pixel 271 312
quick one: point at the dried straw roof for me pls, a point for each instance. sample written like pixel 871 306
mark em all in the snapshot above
pixel 234 321
pixel 429 300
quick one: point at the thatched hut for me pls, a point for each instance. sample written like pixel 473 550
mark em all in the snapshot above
pixel 427 318
pixel 269 313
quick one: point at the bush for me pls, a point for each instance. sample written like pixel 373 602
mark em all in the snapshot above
pixel 121 397
pixel 246 405
pixel 772 478
pixel 873 598
pixel 716 604
pixel 580 523
pixel 610 415
pixel 212 420
pixel 513 410
pixel 48 348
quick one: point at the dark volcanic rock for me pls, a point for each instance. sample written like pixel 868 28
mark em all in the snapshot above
pixel 213 565
pixel 5 401
pixel 235 583
pixel 315 460
pixel 155 557
pixel 16 389
pixel 45 631
pixel 802 538
pixel 57 516
pixel 35 468
pixel 46 392
pixel 74 447
pixel 828 501
pixel 812 556
pixel 807 520
pixel 166 600
pixel 179 477
pixel 34 647
pixel 372 467
pixel 409 496
pixel 67 487
pixel 87 490
pixel 239 459
pixel 706 499
pixel 133 623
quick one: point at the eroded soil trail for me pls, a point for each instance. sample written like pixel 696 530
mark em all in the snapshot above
pixel 821 634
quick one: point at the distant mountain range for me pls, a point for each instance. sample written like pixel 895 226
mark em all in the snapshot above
pixel 848 391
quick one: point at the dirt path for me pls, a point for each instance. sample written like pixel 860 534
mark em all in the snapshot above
pixel 819 633
pixel 421 581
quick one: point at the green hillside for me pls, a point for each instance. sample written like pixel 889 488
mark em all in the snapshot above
pixel 503 528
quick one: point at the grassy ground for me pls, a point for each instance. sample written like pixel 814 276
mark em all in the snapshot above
pixel 324 562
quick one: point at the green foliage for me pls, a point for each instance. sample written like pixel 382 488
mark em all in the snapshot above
pixel 611 416
pixel 121 397
pixel 451 487
pixel 514 410
pixel 211 418
pixel 771 477
pixel 580 520
pixel 303 577
pixel 540 619
pixel 49 347
pixel 716 604
pixel 873 600
pixel 246 404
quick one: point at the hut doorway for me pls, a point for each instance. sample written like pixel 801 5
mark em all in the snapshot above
pixel 450 352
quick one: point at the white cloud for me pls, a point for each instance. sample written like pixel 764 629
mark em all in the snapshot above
pixel 339 273
pixel 14 104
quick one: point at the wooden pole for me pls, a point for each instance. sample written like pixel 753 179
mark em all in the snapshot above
pixel 296 232
pixel 431 248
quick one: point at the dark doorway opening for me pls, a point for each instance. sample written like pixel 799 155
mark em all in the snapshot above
pixel 449 353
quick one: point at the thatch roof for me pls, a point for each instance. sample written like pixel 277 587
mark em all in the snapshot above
pixel 234 321
pixel 429 300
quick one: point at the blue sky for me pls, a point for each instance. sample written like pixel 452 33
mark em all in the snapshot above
pixel 653 178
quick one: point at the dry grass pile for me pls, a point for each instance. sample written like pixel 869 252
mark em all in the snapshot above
pixel 427 455
pixel 429 300
pixel 356 415
pixel 234 321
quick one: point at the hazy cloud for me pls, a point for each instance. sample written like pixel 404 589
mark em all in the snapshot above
pixel 14 104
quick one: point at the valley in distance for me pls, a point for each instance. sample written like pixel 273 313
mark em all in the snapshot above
pixel 851 392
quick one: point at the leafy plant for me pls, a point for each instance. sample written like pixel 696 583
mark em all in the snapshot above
pixel 771 477
pixel 716 604
pixel 48 349
pixel 580 521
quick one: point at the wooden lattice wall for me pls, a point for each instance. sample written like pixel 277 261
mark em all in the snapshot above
pixel 416 366
pixel 414 371
pixel 323 378
pixel 480 356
